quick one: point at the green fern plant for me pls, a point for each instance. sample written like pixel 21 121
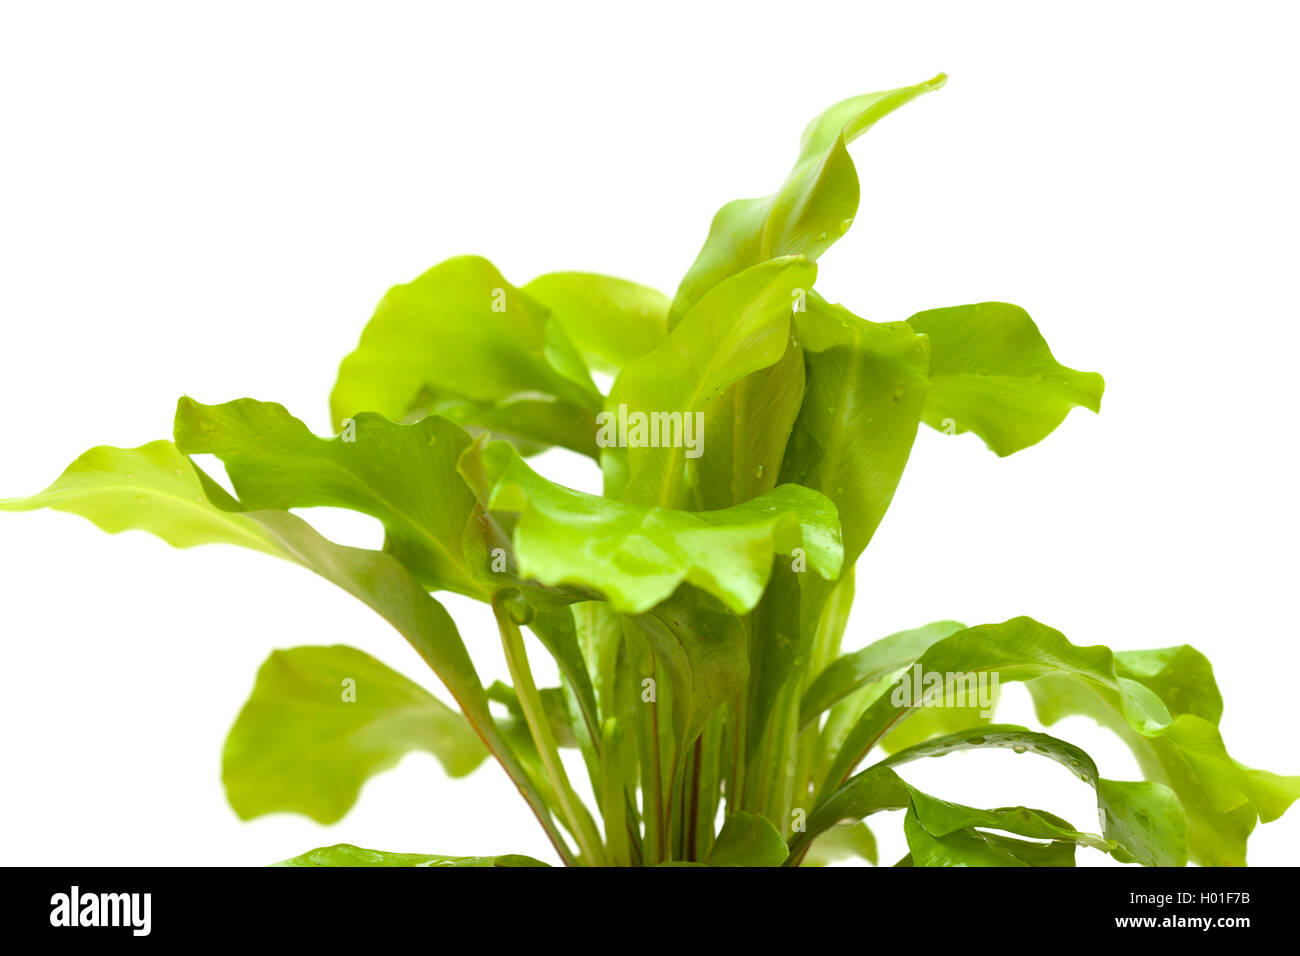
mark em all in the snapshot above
pixel 750 444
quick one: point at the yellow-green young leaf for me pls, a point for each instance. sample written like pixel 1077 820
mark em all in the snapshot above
pixel 746 432
pixel 812 209
pixel 404 475
pixel 612 322
pixel 157 489
pixel 866 388
pixel 747 839
pixel 152 488
pixel 992 373
pixel 323 720
pixel 462 342
pixel 345 854
pixel 637 556
pixel 742 325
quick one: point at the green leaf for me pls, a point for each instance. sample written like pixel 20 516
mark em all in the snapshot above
pixel 157 489
pixel 874 789
pixel 1145 821
pixel 883 658
pixel 746 431
pixel 323 720
pixel 812 209
pixel 970 847
pixel 992 373
pixel 461 340
pixel 739 327
pixel 404 475
pixel 867 384
pixel 1223 798
pixel 1142 822
pixel 1181 677
pixel 636 556
pixel 940 818
pixel 612 322
pixel 1018 649
pixel 345 854
pixel 747 839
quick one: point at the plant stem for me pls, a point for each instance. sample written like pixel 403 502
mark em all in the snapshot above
pixel 576 816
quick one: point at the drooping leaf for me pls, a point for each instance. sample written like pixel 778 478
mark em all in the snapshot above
pixel 992 373
pixel 152 488
pixel 464 342
pixel 940 818
pixel 1018 649
pixel 1142 822
pixel 1224 799
pixel 404 475
pixel 812 209
pixel 741 326
pixel 345 854
pixel 637 556
pixel 157 489
pixel 747 839
pixel 321 721
pixel 972 847
pixel 612 322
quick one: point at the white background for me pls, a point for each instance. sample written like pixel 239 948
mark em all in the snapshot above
pixel 208 199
